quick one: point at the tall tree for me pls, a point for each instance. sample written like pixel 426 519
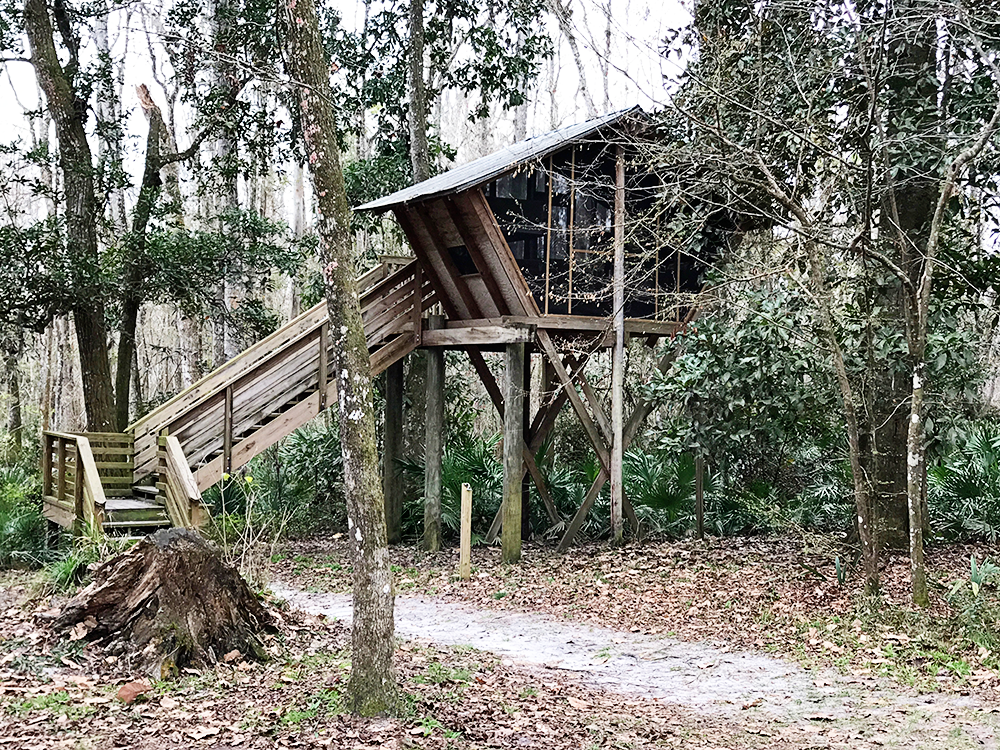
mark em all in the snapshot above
pixel 853 127
pixel 68 108
pixel 372 687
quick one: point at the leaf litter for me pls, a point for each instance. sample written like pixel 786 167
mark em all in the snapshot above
pixel 687 623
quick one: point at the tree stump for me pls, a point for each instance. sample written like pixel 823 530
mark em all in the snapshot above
pixel 168 603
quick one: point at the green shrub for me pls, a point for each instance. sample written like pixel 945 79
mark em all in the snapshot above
pixel 22 526
pixel 964 489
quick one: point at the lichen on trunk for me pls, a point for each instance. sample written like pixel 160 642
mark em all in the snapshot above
pixel 372 688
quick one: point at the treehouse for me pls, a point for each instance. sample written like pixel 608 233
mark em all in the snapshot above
pixel 525 236
pixel 519 251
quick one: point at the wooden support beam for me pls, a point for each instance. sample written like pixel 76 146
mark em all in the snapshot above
pixel 574 398
pixel 513 441
pixel 590 396
pixel 629 431
pixel 487 335
pixel 433 443
pixel 525 421
pixel 618 355
pixel 392 442
pixel 527 451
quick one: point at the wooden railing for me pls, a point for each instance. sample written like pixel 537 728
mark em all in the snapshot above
pixel 283 381
pixel 178 486
pixel 72 493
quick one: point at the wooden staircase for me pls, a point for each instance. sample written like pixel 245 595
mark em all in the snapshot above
pixel 280 383
pixel 153 474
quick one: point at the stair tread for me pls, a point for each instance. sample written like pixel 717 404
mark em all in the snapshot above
pixel 113 524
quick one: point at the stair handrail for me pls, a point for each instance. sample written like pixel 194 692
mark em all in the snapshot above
pixel 183 500
pixel 216 381
pixel 89 500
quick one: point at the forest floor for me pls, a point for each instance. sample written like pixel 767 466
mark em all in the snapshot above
pixel 656 645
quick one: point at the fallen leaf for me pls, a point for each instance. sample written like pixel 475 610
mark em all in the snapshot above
pixel 128 692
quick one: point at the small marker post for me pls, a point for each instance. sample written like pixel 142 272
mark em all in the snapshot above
pixel 465 541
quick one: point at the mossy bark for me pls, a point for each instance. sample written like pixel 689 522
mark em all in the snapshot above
pixel 372 688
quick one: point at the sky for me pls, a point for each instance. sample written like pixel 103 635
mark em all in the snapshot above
pixel 636 75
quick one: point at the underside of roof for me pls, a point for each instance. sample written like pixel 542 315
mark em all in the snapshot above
pixel 490 167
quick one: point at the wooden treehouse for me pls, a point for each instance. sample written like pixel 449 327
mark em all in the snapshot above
pixel 513 252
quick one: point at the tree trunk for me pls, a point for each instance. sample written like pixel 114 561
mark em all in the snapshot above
pixel 14 418
pixel 420 159
pixel 136 260
pixel 906 210
pixel 69 112
pixel 372 688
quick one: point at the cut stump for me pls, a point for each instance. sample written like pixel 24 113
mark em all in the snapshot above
pixel 168 603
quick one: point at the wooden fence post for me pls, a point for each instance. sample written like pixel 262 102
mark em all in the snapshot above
pixel 465 539
pixel 699 495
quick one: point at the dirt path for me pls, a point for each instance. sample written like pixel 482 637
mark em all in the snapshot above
pixel 697 676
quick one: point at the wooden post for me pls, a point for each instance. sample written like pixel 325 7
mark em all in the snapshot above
pixel 324 359
pixel 699 495
pixel 227 432
pixel 513 439
pixel 465 540
pixel 525 422
pixel 392 444
pixel 433 441
pixel 618 356
pixel 46 464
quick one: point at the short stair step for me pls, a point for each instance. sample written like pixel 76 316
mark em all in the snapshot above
pixel 112 524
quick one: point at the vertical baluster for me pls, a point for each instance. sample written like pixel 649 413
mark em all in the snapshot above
pixel 61 471
pixel 324 362
pixel 227 433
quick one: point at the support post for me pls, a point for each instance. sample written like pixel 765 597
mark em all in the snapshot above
pixel 392 443
pixel 324 362
pixel 465 538
pixel 618 356
pixel 526 476
pixel 699 495
pixel 227 432
pixel 46 464
pixel 433 443
pixel 513 440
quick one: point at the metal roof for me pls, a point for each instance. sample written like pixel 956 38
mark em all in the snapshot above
pixel 490 167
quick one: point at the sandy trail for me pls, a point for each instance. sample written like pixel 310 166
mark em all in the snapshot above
pixel 697 676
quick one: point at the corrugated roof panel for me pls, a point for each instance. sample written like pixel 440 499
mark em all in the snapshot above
pixel 492 166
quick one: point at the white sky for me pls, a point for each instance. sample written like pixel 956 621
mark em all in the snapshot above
pixel 636 75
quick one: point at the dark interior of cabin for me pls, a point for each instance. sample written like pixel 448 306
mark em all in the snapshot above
pixel 558 219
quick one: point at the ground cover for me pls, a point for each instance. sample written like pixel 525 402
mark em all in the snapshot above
pixel 63 694
pixel 777 595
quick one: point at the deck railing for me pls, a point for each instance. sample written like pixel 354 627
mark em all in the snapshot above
pixel 72 493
